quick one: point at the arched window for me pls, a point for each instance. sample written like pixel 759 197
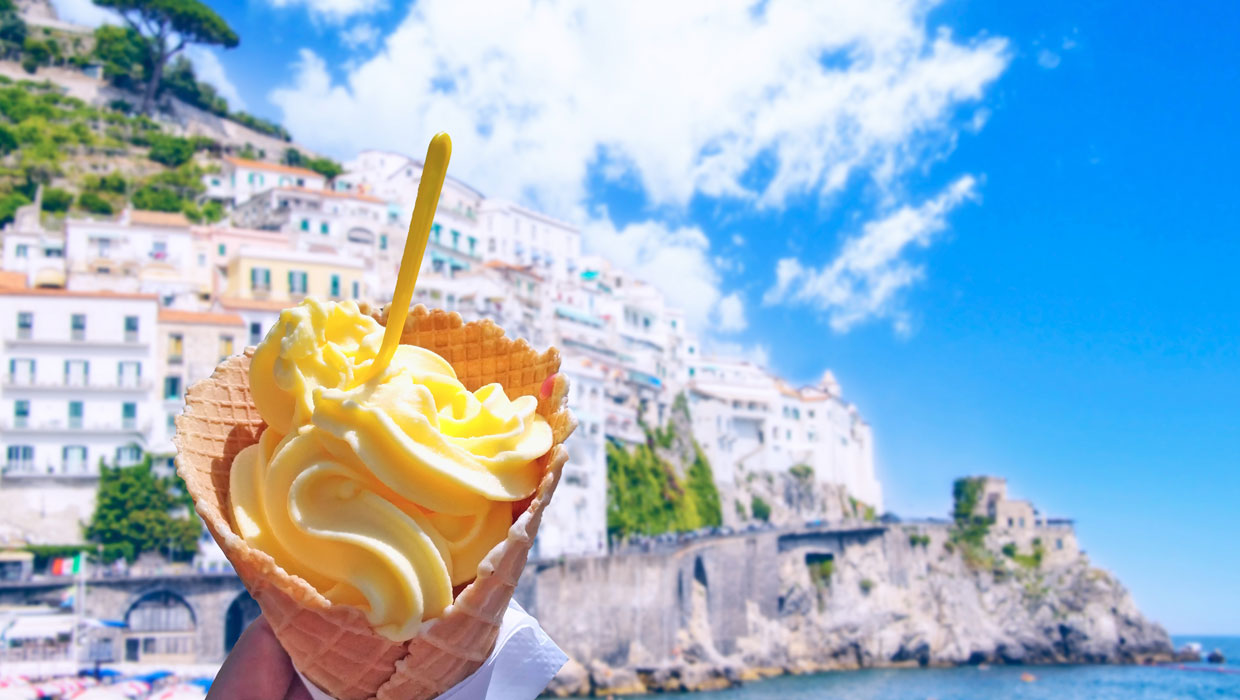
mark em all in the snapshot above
pixel 160 627
pixel 241 613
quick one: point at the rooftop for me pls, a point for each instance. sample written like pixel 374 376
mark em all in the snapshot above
pixel 199 317
pixel 270 167
pixel 70 293
pixel 139 217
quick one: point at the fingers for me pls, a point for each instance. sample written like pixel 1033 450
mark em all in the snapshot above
pixel 256 669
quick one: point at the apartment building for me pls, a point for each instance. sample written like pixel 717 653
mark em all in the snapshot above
pixel 142 252
pixel 80 368
pixel 189 346
pixel 32 250
pixel 240 179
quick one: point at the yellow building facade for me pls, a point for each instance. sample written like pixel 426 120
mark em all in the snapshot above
pixel 288 276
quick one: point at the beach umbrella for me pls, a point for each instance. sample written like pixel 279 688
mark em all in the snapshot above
pixel 183 691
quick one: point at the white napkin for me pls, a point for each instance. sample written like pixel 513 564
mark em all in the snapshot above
pixel 519 668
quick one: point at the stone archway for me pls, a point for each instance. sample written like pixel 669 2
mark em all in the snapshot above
pixel 241 612
pixel 160 627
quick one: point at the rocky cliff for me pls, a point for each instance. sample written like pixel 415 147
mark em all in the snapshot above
pixel 715 612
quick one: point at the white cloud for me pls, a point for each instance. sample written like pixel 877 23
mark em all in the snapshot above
pixel 864 280
pixel 209 70
pixel 675 261
pixel 1048 59
pixel 731 314
pixel 758 354
pixel 361 35
pixel 333 10
pixel 84 12
pixel 681 98
pixel 738 240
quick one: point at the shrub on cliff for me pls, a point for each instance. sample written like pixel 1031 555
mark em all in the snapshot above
pixel 761 509
pixel 646 496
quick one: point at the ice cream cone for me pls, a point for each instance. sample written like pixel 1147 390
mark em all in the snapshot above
pixel 334 645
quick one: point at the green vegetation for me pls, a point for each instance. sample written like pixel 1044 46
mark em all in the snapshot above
pixel 45 553
pixel 866 586
pixel 646 496
pixel 171 150
pixel 918 540
pixel 821 568
pixel 760 508
pixel 802 472
pixel 56 200
pixel 160 22
pixel 1029 561
pixel 740 510
pixel 326 167
pixel 861 509
pixel 969 530
pixel 136 513
pixel 93 203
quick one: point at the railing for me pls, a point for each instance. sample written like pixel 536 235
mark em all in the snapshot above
pixel 126 425
pixel 24 382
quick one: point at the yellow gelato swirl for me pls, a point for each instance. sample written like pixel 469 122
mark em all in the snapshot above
pixel 385 495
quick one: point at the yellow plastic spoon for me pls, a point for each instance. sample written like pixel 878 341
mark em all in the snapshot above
pixel 434 170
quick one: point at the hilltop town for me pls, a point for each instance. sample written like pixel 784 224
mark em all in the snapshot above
pixel 726 524
pixel 114 303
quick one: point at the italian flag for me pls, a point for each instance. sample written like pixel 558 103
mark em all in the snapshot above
pixel 67 566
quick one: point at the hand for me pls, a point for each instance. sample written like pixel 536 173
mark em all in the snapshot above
pixel 258 669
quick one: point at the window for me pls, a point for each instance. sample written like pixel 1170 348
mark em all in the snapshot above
pixel 305 224
pixel 260 279
pixel 356 289
pixel 226 346
pixel 53 252
pixel 131 329
pixel 21 371
pixel 176 348
pixel 221 249
pixel 1009 522
pixel 172 423
pixel 25 324
pixel 202 260
pixel 172 387
pixel 129 415
pixel 128 456
pixel 1059 543
pixel 256 333
pixel 383 241
pixel 75 414
pixel 1022 522
pixel 335 291
pixel 23 251
pixel 159 250
pixel 473 245
pixel 77 372
pixel 296 282
pixel 456 239
pixel 435 232
pixel 77 326
pixel 491 245
pixel 323 228
pixel 74 458
pixel 128 374
pixel 21 413
pixel 20 457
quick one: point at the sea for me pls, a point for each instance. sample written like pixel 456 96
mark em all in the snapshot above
pixel 1172 682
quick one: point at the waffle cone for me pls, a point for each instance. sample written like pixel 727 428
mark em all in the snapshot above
pixel 334 645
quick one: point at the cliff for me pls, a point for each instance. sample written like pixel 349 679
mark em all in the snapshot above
pixel 714 612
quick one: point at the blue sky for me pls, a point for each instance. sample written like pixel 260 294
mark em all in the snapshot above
pixel 1012 238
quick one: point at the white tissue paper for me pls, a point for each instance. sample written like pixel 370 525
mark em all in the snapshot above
pixel 520 666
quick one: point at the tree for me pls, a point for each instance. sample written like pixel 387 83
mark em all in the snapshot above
pixel 163 22
pixel 134 514
pixel 326 167
pixel 125 56
pixel 57 200
pixel 172 151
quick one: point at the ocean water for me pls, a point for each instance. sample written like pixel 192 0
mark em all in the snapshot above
pixel 1198 682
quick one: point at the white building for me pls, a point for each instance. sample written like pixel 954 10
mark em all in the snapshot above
pixel 240 179
pixel 748 421
pixel 144 252
pixel 576 520
pixel 79 380
pixel 33 251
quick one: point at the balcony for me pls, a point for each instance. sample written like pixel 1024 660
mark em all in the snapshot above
pixel 128 385
pixel 125 425
pixel 131 341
